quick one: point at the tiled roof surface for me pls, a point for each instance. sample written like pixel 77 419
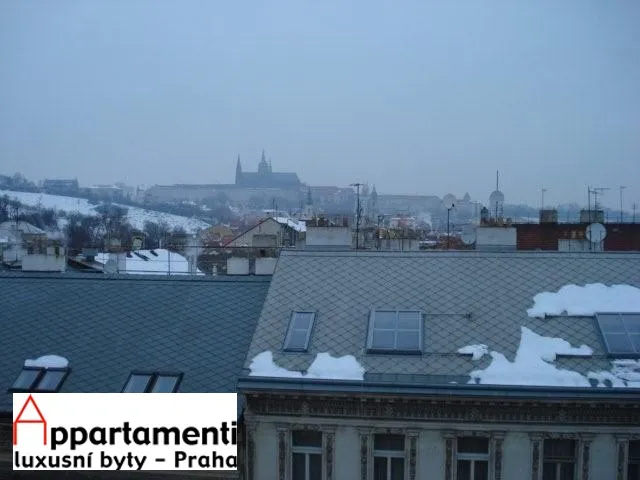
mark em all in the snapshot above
pixel 108 326
pixel 496 289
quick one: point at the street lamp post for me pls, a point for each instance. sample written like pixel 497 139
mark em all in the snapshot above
pixel 448 236
pixel 622 187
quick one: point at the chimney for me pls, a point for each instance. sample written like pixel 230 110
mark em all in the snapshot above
pixel 549 216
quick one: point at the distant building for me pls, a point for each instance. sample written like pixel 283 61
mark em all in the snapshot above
pixel 571 237
pixel 264 184
pixel 271 232
pixel 106 192
pixel 61 187
pixel 265 177
pixel 28 248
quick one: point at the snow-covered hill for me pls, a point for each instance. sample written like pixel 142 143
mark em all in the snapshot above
pixel 136 216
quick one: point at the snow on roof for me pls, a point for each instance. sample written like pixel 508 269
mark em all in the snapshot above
pixel 477 351
pixel 20 226
pixel 47 361
pixel 533 364
pixel 624 373
pixel 297 225
pixel 574 300
pixel 144 262
pixel 324 366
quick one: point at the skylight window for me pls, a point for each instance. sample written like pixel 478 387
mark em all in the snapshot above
pixel 395 331
pixel 299 332
pixel 621 333
pixel 39 379
pixel 145 382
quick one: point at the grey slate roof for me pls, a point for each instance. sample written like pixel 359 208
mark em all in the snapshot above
pixel 108 326
pixel 495 288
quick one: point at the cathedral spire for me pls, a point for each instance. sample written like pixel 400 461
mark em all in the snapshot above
pixel 238 171
pixel 263 167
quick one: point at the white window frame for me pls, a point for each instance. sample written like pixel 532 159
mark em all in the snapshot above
pixel 474 457
pixel 558 462
pixel 307 451
pixel 389 454
pixel 371 348
pixel 291 330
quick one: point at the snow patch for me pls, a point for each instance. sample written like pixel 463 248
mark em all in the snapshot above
pixel 574 300
pixel 135 216
pixel 624 373
pixel 324 366
pixel 336 368
pixel 531 365
pixel 47 361
pixel 297 225
pixel 263 365
pixel 476 351
pixel 164 262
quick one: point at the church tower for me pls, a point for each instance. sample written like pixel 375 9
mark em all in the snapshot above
pixel 238 172
pixel 263 166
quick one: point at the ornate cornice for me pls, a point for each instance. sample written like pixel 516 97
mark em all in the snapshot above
pixel 473 411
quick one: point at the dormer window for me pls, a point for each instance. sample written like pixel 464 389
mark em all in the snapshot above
pixel 39 379
pixel 395 331
pixel 152 382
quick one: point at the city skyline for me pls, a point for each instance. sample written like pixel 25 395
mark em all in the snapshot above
pixel 427 98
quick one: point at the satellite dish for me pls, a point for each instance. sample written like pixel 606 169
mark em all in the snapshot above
pixel 468 237
pixel 596 232
pixel 448 201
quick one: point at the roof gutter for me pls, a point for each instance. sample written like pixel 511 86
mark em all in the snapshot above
pixel 249 385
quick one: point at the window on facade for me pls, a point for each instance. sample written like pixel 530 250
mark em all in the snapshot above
pixel 34 379
pixel 388 457
pixel 299 331
pixel 141 382
pixel 633 468
pixel 621 333
pixel 395 331
pixel 559 459
pixel 472 458
pixel 306 448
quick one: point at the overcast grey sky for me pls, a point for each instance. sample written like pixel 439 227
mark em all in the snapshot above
pixel 416 96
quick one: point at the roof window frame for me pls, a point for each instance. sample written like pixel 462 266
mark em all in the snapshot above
pixel 370 349
pixel 153 380
pixel 605 343
pixel 42 372
pixel 290 330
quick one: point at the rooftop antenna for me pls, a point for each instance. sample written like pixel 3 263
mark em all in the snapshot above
pixel 542 201
pixel 596 191
pixel 622 187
